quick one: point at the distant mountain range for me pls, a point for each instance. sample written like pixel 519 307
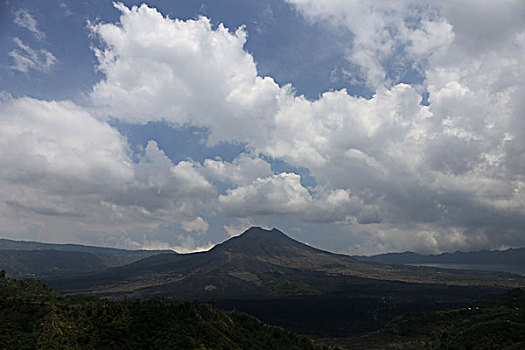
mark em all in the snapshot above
pixel 46 260
pixel 484 257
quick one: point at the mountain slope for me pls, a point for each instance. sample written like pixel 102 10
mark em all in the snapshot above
pixel 46 263
pixel 257 264
pixel 44 260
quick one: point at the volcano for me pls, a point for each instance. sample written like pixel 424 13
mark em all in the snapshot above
pixel 257 264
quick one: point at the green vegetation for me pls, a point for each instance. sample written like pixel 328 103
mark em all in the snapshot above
pixel 293 287
pixel 499 324
pixel 496 324
pixel 34 316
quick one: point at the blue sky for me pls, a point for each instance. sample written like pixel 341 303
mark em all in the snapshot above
pixel 284 45
pixel 358 127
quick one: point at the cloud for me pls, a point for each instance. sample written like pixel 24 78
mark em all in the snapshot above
pixel 241 171
pixel 388 160
pixel 283 194
pixel 24 19
pixel 213 82
pixel 186 244
pixel 65 9
pixel 56 164
pixel 451 165
pixel 386 38
pixel 196 225
pixel 433 165
pixel 484 25
pixel 241 226
pixel 158 68
pixel 26 58
pixel 63 173
pixel 155 171
pixel 42 138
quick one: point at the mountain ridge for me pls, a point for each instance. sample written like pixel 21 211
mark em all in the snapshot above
pixel 45 260
pixel 10 244
pixel 508 256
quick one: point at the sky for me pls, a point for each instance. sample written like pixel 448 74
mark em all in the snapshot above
pixel 359 127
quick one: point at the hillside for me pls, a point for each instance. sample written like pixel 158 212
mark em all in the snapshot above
pixel 33 316
pixel 44 260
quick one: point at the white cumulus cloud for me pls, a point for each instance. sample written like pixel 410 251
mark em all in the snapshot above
pixel 158 68
pixel 64 173
pixel 444 164
pixel 283 194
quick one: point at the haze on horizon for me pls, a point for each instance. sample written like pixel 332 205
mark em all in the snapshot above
pixel 359 127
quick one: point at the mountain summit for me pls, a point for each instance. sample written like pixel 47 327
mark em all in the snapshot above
pixel 257 241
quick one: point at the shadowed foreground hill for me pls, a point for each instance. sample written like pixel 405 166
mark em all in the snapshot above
pixel 495 324
pixel 33 316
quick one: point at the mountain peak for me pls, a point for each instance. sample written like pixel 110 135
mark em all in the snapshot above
pixel 257 240
pixel 257 234
pixel 259 231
